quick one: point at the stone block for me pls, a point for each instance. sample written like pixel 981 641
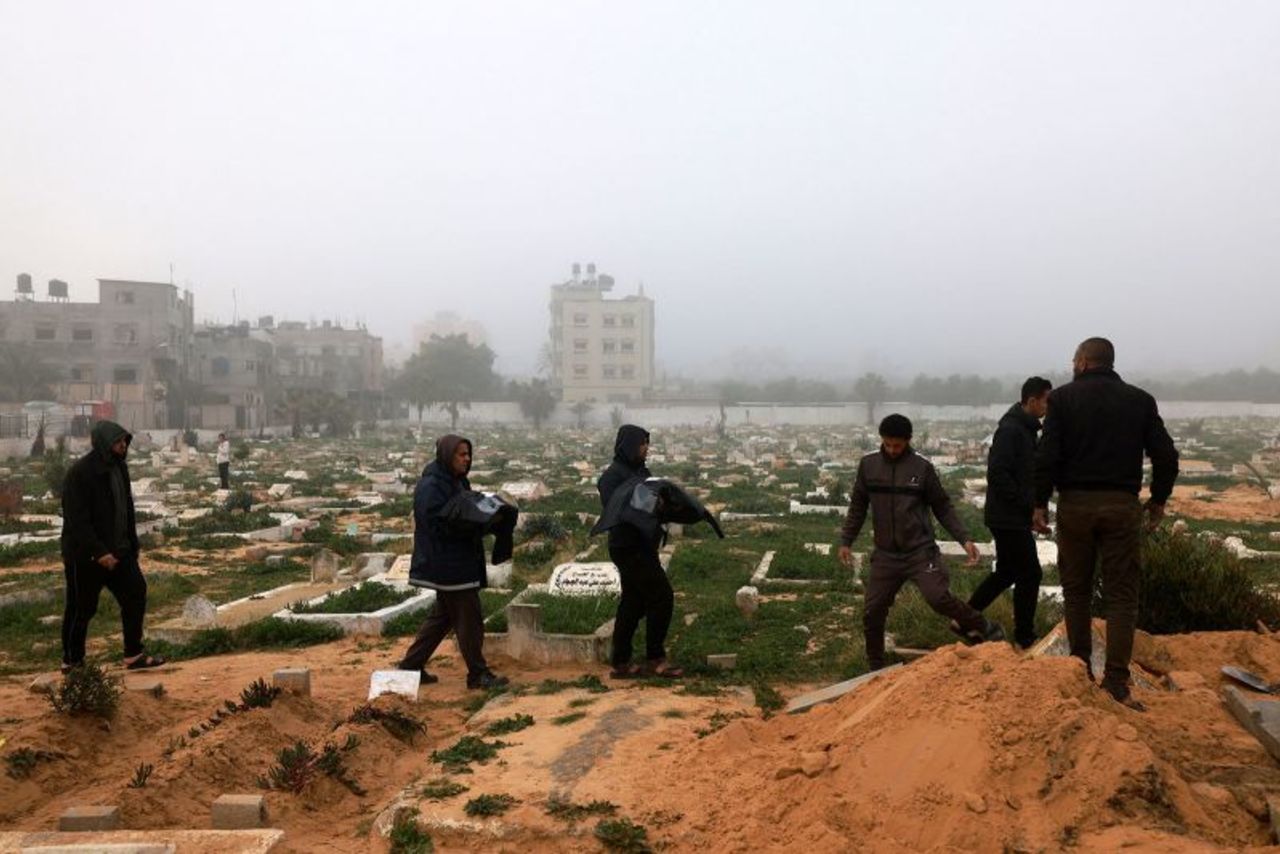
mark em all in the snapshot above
pixel 1260 717
pixel 499 575
pixel 295 680
pixel 724 661
pixel 280 491
pixel 274 560
pixel 239 812
pixel 89 818
pixel 145 684
pixel 1185 680
pixel 44 683
pixel 198 612
pixel 324 566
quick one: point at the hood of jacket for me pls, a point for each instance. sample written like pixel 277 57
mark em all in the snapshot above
pixel 446 447
pixel 104 435
pixel 626 447
pixel 1018 417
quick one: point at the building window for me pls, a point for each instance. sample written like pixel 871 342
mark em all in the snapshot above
pixel 610 372
pixel 46 333
pixel 251 366
pixel 579 320
pixel 125 297
pixel 610 320
pixel 84 333
pixel 124 375
pixel 82 373
pixel 628 321
pixel 610 345
pixel 628 345
pixel 579 345
pixel 628 372
pixel 126 333
pixel 580 372
pixel 220 366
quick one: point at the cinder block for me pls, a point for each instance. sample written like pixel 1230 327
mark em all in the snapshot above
pixel 44 683
pixel 295 680
pixel 89 818
pixel 239 812
pixel 724 661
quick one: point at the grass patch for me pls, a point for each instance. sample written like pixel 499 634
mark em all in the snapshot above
pixel 21 763
pixel 588 682
pixel 442 789
pixel 573 615
pixel 568 811
pixel 483 806
pixel 623 835
pixel 368 597
pixel 467 750
pixel 407 837
pixel 21 552
pixel 508 725
pixel 270 633
pixel 565 720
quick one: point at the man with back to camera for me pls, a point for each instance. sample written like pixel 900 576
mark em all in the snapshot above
pixel 224 461
pixel 1011 490
pixel 901 488
pixel 1097 429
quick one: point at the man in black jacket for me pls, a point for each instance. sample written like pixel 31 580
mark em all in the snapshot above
pixel 1008 511
pixel 1095 435
pixel 901 488
pixel 451 562
pixel 100 547
pixel 646 592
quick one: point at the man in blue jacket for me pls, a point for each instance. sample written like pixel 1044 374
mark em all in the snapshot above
pixel 1011 491
pixel 451 562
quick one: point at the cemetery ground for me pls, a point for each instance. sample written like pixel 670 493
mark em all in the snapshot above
pixel 978 749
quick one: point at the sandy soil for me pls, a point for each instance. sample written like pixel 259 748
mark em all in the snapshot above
pixel 1241 503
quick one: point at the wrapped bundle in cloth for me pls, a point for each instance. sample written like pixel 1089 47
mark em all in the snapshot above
pixel 649 504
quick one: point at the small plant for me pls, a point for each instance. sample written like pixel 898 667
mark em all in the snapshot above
pixel 466 750
pixel 487 805
pixel 176 743
pixel 87 690
pixel 546 526
pixel 299 766
pixel 239 499
pixel 443 789
pixel 140 776
pixel 589 683
pixel 506 726
pixel 259 695
pixel 718 721
pixel 157 690
pixel 623 835
pixel 565 720
pixel 402 727
pixel 368 597
pixel 673 713
pixel 565 810
pixel 407 837
pixel 21 762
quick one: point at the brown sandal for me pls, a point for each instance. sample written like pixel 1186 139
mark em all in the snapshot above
pixel 631 671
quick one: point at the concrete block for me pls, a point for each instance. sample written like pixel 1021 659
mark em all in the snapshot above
pixel 295 680
pixel 834 692
pixel 44 682
pixel 145 684
pixel 324 566
pixel 103 848
pixel 239 812
pixel 724 661
pixel 1260 717
pixel 89 818
pixel 274 560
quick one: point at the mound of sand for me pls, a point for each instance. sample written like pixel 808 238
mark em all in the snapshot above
pixel 984 750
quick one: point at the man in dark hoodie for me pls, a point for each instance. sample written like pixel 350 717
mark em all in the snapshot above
pixel 100 547
pixel 646 592
pixel 1011 466
pixel 452 563
pixel 901 488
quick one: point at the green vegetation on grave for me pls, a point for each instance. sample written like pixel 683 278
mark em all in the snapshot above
pixel 915 625
pixel 793 562
pixel 365 599
pixel 270 633
pixel 325 536
pixel 21 552
pixel 227 522
pixel 237 581
pixel 573 615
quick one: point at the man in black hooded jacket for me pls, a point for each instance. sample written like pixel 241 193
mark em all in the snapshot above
pixel 450 562
pixel 646 592
pixel 100 547
pixel 1011 465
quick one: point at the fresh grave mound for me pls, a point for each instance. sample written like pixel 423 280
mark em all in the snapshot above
pixel 977 749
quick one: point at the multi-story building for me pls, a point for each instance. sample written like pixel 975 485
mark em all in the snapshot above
pixel 234 371
pixel 328 357
pixel 131 348
pixel 601 348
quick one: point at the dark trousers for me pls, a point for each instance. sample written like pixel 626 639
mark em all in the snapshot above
pixel 925 568
pixel 646 593
pixel 1017 566
pixel 1101 529
pixel 460 611
pixel 85 580
pixel 224 474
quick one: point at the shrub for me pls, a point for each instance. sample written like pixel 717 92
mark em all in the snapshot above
pixel 487 805
pixel 21 762
pixel 402 727
pixel 1191 585
pixel 407 837
pixel 442 789
pixel 87 690
pixel 299 766
pixel 546 526
pixel 620 834
pixel 465 751
pixel 506 726
pixel 259 695
pixel 55 471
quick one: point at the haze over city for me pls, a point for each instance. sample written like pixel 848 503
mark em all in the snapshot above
pixel 822 191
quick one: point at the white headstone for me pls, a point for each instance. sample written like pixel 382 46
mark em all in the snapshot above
pixel 748 600
pixel 199 612
pixel 402 682
pixel 296 474
pixel 324 566
pixel 585 579
pixel 280 491
pixel 525 490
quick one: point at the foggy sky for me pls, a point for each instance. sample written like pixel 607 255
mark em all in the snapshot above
pixel 846 186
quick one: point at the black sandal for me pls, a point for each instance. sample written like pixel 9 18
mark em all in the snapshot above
pixel 145 662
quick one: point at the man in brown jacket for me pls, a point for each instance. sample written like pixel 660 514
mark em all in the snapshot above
pixel 901 488
pixel 1095 435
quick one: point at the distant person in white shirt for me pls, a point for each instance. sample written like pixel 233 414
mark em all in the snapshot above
pixel 224 460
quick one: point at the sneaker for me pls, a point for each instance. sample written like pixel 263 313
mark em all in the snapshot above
pixel 487 680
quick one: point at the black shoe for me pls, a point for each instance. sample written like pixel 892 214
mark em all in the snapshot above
pixel 992 632
pixel 1125 697
pixel 487 681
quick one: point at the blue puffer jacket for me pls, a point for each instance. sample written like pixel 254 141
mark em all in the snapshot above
pixel 444 558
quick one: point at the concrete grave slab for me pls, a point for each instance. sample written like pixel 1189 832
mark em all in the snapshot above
pixel 141 841
pixel 834 692
pixel 1260 717
pixel 89 818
